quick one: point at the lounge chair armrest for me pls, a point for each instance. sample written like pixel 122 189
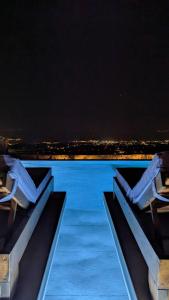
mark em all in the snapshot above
pixel 156 194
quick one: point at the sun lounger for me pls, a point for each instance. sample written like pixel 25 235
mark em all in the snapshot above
pixel 20 189
pixel 153 185
pixel 139 193
pixel 151 193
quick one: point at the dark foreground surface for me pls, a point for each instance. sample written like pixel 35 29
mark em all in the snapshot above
pixel 34 260
pixel 9 237
pixel 133 257
pixel 160 244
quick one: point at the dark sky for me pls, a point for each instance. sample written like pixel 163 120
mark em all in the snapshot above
pixel 85 69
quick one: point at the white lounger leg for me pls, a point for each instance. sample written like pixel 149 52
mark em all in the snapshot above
pixel 12 213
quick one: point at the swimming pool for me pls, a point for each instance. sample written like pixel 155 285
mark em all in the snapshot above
pixel 84 261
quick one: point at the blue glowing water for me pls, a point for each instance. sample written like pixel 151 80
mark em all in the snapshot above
pixel 96 174
pixel 85 264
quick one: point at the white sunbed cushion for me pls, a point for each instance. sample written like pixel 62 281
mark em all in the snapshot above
pixel 25 182
pixel 143 184
pixel 24 188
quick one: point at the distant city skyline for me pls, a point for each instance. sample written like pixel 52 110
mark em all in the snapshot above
pixel 160 136
pixel 20 139
pixel 82 149
pixel 84 69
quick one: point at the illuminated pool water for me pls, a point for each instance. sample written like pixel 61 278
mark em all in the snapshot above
pixel 68 174
pixel 85 264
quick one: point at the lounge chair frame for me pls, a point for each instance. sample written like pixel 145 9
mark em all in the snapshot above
pixel 9 263
pixel 158 269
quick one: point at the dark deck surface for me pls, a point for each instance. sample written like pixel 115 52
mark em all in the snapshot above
pixel 22 215
pixel 37 174
pixel 132 175
pixel 34 260
pixel 134 259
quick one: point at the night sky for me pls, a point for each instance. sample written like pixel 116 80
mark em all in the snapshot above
pixel 84 69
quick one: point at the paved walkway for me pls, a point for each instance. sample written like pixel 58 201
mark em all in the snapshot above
pixel 85 265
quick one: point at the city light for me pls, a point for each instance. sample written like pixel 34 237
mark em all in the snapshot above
pixel 82 148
